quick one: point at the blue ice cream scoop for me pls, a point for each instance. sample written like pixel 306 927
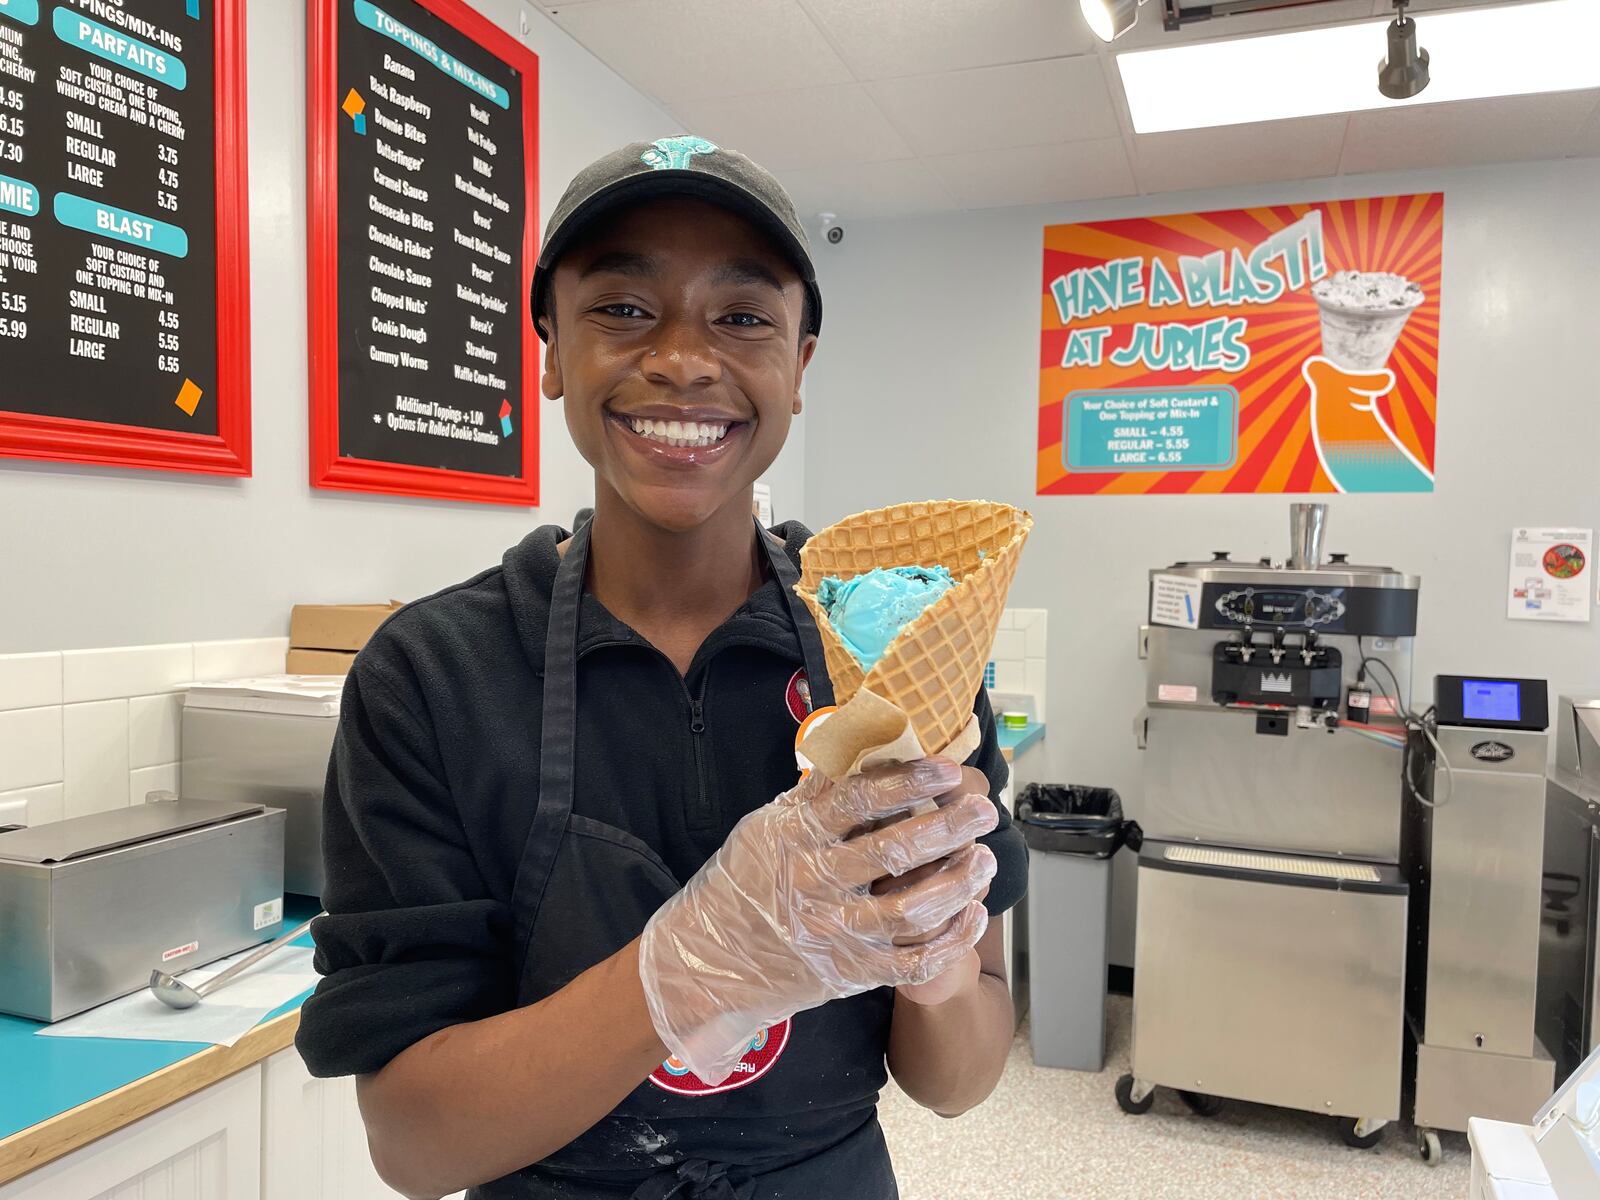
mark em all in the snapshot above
pixel 869 611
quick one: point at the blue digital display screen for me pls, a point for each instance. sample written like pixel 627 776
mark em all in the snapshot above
pixel 1491 700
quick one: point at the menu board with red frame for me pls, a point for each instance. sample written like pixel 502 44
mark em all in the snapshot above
pixel 424 152
pixel 124 262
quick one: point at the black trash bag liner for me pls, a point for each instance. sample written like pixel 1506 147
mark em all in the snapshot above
pixel 1066 818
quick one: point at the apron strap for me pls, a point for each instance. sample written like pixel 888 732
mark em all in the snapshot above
pixel 697 1179
pixel 559 733
pixel 805 627
pixel 557 741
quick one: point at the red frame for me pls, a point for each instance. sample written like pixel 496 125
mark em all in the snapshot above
pixel 328 468
pixel 227 452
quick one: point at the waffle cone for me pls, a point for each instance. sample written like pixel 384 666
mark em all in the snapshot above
pixel 933 669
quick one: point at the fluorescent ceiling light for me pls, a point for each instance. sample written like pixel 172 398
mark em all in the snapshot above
pixel 1516 51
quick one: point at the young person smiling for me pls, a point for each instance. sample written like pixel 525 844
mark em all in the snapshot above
pixel 569 868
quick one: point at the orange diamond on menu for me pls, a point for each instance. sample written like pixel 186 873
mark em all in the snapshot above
pixel 353 104
pixel 188 396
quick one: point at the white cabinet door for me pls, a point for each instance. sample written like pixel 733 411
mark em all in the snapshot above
pixel 206 1147
pixel 314 1145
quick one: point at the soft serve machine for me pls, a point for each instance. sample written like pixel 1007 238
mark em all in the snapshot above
pixel 1292 849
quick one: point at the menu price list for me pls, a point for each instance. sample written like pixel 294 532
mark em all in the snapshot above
pixel 431 199
pixel 108 211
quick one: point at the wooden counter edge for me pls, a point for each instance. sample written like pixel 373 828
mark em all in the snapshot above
pixel 65 1132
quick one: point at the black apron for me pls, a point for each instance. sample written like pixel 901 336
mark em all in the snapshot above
pixel 798 1120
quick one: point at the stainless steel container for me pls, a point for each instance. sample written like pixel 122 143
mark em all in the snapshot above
pixel 88 906
pixel 1475 862
pixel 1270 977
pixel 1569 981
pixel 276 759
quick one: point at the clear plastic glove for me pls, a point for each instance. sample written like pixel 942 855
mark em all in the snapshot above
pixel 783 918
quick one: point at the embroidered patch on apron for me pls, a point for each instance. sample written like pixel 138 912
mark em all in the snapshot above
pixel 765 1049
pixel 798 695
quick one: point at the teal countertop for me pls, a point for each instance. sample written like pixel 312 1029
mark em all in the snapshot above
pixel 1018 740
pixel 46 1076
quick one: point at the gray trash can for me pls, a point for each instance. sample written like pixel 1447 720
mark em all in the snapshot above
pixel 1072 833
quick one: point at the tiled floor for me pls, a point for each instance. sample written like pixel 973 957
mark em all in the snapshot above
pixel 1049 1134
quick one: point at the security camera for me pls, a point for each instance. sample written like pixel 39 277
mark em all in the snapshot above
pixel 831 229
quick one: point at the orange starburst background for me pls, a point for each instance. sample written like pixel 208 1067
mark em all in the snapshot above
pixel 1275 453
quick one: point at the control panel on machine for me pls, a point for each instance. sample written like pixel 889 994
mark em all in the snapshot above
pixel 1489 703
pixel 1289 608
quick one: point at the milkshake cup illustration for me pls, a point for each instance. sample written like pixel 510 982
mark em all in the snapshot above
pixel 1363 313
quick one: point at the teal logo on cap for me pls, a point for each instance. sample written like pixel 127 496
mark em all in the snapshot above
pixel 675 153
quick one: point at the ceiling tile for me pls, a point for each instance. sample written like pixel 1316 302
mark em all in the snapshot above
pixel 677 50
pixel 1036 174
pixel 809 128
pixel 1201 158
pixel 881 39
pixel 867 191
pixel 1505 129
pixel 1025 104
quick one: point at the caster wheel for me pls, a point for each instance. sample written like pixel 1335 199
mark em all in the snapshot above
pixel 1201 1104
pixel 1356 1140
pixel 1428 1147
pixel 1125 1100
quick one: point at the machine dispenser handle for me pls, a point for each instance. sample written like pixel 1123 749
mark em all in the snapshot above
pixel 1141 730
pixel 1144 641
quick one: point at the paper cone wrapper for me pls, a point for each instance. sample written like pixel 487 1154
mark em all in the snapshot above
pixel 932 671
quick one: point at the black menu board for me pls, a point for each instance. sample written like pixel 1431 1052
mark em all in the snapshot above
pixel 113 328
pixel 428 172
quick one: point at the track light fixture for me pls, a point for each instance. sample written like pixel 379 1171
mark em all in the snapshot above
pixel 1109 19
pixel 1404 72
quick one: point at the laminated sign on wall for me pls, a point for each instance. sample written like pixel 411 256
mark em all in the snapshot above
pixel 424 152
pixel 1549 575
pixel 124 257
pixel 1284 349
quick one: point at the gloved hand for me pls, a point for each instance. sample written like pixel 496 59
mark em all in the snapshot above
pixel 782 918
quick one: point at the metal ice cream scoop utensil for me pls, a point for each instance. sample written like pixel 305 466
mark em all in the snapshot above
pixel 175 993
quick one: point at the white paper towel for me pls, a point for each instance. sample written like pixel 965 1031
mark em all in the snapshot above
pixel 221 1019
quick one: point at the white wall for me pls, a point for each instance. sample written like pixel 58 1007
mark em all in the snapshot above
pixel 97 557
pixel 932 347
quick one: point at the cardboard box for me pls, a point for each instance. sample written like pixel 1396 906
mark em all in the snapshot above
pixel 319 662
pixel 336 626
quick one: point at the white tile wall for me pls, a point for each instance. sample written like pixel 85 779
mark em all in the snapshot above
pixel 1019 654
pixel 40 804
pixel 125 671
pixel 30 747
pixel 88 730
pixel 94 743
pixel 151 779
pixel 153 723
pixel 239 659
pixel 30 680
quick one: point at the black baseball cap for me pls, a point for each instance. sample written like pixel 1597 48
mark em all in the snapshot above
pixel 676 166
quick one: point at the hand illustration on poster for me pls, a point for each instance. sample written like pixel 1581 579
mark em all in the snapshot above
pixel 1283 349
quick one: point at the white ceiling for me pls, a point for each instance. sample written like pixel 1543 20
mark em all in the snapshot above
pixel 878 108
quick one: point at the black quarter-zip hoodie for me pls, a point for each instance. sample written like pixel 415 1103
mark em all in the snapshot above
pixel 434 781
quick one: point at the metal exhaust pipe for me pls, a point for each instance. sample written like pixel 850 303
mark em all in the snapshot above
pixel 1307 524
